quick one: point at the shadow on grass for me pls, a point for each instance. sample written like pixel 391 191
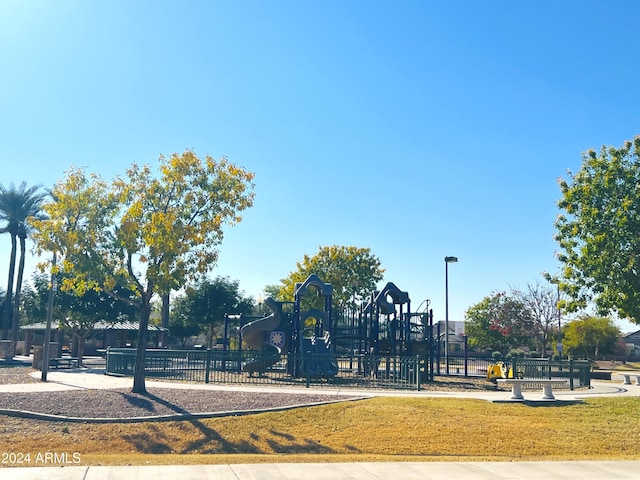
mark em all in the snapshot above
pixel 555 404
pixel 154 441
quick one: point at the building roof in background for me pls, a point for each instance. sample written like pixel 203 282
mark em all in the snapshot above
pixel 98 326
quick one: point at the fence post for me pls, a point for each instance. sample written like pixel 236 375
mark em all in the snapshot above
pixel 307 360
pixel 417 370
pixel 466 356
pixel 438 350
pixel 207 367
pixel 571 373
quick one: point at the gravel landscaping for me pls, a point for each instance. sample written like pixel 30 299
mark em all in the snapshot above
pixel 157 402
pixel 121 403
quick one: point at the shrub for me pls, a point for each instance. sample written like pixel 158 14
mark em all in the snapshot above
pixel 515 354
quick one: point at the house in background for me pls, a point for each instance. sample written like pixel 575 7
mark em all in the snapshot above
pixel 632 342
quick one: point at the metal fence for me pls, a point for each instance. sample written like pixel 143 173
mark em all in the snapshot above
pixel 216 366
pixel 576 372
pixel 358 371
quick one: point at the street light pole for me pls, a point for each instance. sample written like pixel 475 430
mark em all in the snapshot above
pixel 447 261
pixel 46 344
pixel 559 347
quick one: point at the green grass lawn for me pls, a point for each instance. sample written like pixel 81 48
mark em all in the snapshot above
pixel 377 429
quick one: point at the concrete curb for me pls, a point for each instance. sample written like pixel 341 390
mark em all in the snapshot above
pixel 166 418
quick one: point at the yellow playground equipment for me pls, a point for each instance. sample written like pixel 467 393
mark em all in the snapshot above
pixel 501 370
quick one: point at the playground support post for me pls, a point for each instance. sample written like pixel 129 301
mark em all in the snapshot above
pixel 447 261
pixel 431 349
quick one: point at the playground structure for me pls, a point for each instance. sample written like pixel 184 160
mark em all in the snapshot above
pixel 385 326
pixel 309 330
pixel 304 330
pixel 503 370
pixel 379 343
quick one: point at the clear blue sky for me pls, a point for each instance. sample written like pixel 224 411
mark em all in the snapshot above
pixel 418 129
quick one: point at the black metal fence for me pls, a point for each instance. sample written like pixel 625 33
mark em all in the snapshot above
pixel 359 371
pixel 216 366
pixel 576 372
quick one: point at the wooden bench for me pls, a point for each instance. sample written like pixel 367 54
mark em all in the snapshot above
pixel 627 377
pixel 518 383
pixel 67 362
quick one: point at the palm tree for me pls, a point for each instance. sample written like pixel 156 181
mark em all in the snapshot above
pixel 18 206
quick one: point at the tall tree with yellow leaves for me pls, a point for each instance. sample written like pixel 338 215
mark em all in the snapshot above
pixel 148 232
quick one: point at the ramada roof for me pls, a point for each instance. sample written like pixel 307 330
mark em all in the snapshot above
pixel 100 325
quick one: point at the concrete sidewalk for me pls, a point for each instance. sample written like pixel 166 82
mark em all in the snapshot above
pixel 342 471
pixel 94 378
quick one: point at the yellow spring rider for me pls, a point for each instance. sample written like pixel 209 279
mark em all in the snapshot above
pixel 500 370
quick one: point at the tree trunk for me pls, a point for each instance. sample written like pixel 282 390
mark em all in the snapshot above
pixel 82 340
pixel 145 312
pixel 8 299
pixel 15 318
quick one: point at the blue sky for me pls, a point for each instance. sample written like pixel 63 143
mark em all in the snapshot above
pixel 419 129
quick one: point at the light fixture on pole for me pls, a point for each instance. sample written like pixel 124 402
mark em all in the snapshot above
pixel 447 261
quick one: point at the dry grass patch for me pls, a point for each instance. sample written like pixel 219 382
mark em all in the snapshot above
pixel 11 375
pixel 368 430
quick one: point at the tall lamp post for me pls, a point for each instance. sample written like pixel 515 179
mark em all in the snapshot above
pixel 46 344
pixel 447 261
pixel 559 321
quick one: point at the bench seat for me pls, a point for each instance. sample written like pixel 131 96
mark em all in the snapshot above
pixel 67 362
pixel 517 384
pixel 627 377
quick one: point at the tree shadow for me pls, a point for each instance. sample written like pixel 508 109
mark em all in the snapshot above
pixel 139 402
pixel 210 440
pixel 156 443
pixel 286 443
pixel 306 446
pixel 161 444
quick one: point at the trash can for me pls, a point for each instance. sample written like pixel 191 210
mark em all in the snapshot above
pixel 6 349
pixel 37 357
pixel 38 353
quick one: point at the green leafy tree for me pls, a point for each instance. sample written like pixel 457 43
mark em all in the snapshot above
pixel 499 322
pixel 78 315
pixel 145 232
pixel 597 231
pixel 35 297
pixel 541 301
pixel 205 304
pixel 591 336
pixel 353 273
pixel 19 206
pixel 180 328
